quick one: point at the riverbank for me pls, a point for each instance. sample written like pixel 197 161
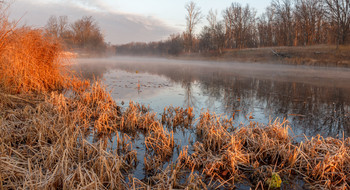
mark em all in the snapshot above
pixel 320 55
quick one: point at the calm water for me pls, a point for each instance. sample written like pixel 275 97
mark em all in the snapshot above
pixel 313 100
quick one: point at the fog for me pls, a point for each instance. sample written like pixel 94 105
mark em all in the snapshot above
pixel 320 76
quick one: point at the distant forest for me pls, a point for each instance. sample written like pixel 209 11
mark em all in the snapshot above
pixel 284 23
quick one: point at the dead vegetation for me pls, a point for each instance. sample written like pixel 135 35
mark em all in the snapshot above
pixel 174 117
pixel 317 55
pixel 48 118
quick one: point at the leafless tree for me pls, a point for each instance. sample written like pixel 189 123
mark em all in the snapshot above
pixel 283 10
pixel 338 11
pixel 212 18
pixel 193 17
pixel 212 37
pixel 86 34
pixel 57 27
pixel 309 15
pixel 52 26
pixel 240 26
pixel 266 28
pixel 63 26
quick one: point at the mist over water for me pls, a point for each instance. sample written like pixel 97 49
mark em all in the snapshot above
pixel 315 100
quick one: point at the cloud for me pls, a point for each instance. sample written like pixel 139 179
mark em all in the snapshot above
pixel 117 27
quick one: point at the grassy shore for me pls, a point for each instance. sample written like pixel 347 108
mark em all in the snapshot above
pixel 48 116
pixel 318 55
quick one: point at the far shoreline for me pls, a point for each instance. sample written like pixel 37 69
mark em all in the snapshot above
pixel 317 55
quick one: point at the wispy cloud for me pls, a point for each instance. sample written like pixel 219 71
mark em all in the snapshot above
pixel 118 27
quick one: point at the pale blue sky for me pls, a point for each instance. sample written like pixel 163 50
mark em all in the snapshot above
pixel 123 21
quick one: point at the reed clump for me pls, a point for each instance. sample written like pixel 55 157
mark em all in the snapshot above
pixel 160 141
pixel 40 149
pixel 256 153
pixel 92 108
pixel 325 162
pixel 31 62
pixel 137 118
pixel 177 116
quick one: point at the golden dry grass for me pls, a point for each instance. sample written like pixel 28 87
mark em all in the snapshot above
pixel 44 135
pixel 42 148
pixel 174 117
pixel 29 62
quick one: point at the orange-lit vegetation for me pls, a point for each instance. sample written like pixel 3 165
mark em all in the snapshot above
pixel 47 117
pixel 30 62
pixel 174 117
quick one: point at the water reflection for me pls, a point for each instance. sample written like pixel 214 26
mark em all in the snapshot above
pixel 314 100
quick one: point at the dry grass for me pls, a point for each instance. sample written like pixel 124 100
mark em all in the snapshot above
pixel 44 134
pixel 317 55
pixel 29 62
pixel 42 149
pixel 160 141
pixel 136 118
pixel 254 153
pixel 174 117
pixel 92 108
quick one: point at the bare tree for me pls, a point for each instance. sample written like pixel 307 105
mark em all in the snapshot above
pixel 284 21
pixel 338 12
pixel 57 27
pixel 266 28
pixel 86 34
pixel 62 26
pixel 309 15
pixel 240 26
pixel 212 37
pixel 193 17
pixel 212 18
pixel 52 26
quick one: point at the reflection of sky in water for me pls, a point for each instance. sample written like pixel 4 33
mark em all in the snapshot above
pixel 314 100
pixel 159 92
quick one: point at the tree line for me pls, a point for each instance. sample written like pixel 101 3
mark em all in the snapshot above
pixel 284 23
pixel 83 34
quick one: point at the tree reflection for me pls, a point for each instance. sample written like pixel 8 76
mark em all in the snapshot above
pixel 189 100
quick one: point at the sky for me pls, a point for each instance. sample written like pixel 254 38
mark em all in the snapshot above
pixel 124 21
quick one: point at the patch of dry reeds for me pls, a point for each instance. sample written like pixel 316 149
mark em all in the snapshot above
pixel 40 149
pixel 160 141
pixel 137 118
pixel 255 153
pixel 93 107
pixel 325 163
pixel 177 116
pixel 35 135
pixel 29 62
